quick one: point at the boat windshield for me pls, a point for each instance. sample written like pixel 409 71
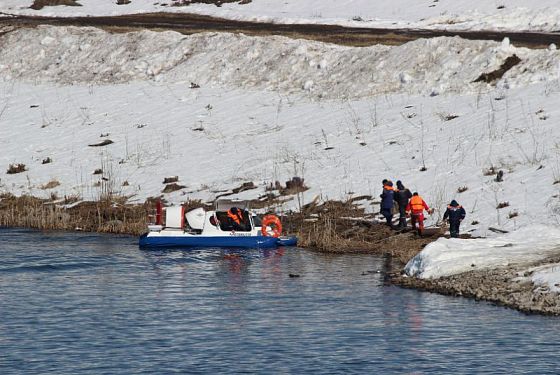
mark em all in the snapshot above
pixel 223 205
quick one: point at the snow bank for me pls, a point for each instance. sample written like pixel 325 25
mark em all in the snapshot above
pixel 514 15
pixel 69 55
pixel 547 276
pixel 446 257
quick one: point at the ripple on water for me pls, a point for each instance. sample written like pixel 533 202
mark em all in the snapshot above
pixel 88 303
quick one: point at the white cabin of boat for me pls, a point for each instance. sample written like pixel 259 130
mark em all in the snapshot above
pixel 208 223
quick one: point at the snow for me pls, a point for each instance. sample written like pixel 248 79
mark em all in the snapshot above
pixel 514 15
pixel 272 108
pixel 531 244
pixel 446 257
pixel 72 55
pixel 547 276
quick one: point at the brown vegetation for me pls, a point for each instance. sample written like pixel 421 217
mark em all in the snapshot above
pixel 50 185
pixel 104 216
pixel 168 180
pixel 502 205
pixel 169 188
pixel 343 227
pixel 495 75
pixel 16 168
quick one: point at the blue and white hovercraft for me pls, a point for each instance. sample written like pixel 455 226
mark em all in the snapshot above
pixel 231 224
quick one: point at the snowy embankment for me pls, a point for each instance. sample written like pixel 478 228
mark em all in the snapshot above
pixel 512 15
pixel 531 244
pixel 272 108
pixel 519 269
pixel 522 249
pixel 427 66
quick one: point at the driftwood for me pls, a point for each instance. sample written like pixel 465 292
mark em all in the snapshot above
pixel 496 230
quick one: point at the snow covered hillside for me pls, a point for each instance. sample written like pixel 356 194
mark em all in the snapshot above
pixel 268 109
pixel 514 15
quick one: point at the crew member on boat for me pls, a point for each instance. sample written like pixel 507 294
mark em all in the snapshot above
pixel 237 219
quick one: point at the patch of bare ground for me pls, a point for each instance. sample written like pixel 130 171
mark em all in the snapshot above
pixel 218 3
pixel 353 36
pixel 40 4
pixel 501 286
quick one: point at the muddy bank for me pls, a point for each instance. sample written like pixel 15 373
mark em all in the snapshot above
pixel 352 36
pixel 509 286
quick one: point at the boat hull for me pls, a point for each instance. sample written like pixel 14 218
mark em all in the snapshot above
pixel 259 242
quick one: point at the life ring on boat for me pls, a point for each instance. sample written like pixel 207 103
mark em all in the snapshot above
pixel 272 222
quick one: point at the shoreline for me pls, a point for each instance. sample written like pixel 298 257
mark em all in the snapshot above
pixel 493 285
pixel 339 236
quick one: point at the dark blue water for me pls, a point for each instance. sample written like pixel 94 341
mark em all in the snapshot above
pixel 95 304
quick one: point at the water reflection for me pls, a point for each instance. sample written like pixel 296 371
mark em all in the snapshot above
pixel 73 303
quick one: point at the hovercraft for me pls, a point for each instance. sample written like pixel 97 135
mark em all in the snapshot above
pixel 230 224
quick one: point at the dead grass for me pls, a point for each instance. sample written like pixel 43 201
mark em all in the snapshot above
pixel 50 185
pixel 343 227
pixel 169 188
pixel 106 216
pixel 502 205
pixel 169 180
pixel 16 168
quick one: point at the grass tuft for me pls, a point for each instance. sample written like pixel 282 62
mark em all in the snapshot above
pixel 16 168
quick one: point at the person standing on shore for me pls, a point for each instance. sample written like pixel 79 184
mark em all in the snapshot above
pixel 401 196
pixel 455 213
pixel 387 202
pixel 416 207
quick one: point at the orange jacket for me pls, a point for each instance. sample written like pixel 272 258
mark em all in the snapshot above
pixel 417 205
pixel 235 217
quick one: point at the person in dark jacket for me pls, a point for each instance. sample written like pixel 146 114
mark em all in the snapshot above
pixel 387 202
pixel 455 213
pixel 401 196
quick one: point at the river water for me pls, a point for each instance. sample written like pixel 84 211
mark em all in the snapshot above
pixel 96 304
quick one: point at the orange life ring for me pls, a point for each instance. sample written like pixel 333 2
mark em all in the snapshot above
pixel 273 222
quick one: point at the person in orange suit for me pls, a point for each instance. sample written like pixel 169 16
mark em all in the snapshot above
pixel 416 207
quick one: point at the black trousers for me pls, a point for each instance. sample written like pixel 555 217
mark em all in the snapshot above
pixel 402 216
pixel 454 228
